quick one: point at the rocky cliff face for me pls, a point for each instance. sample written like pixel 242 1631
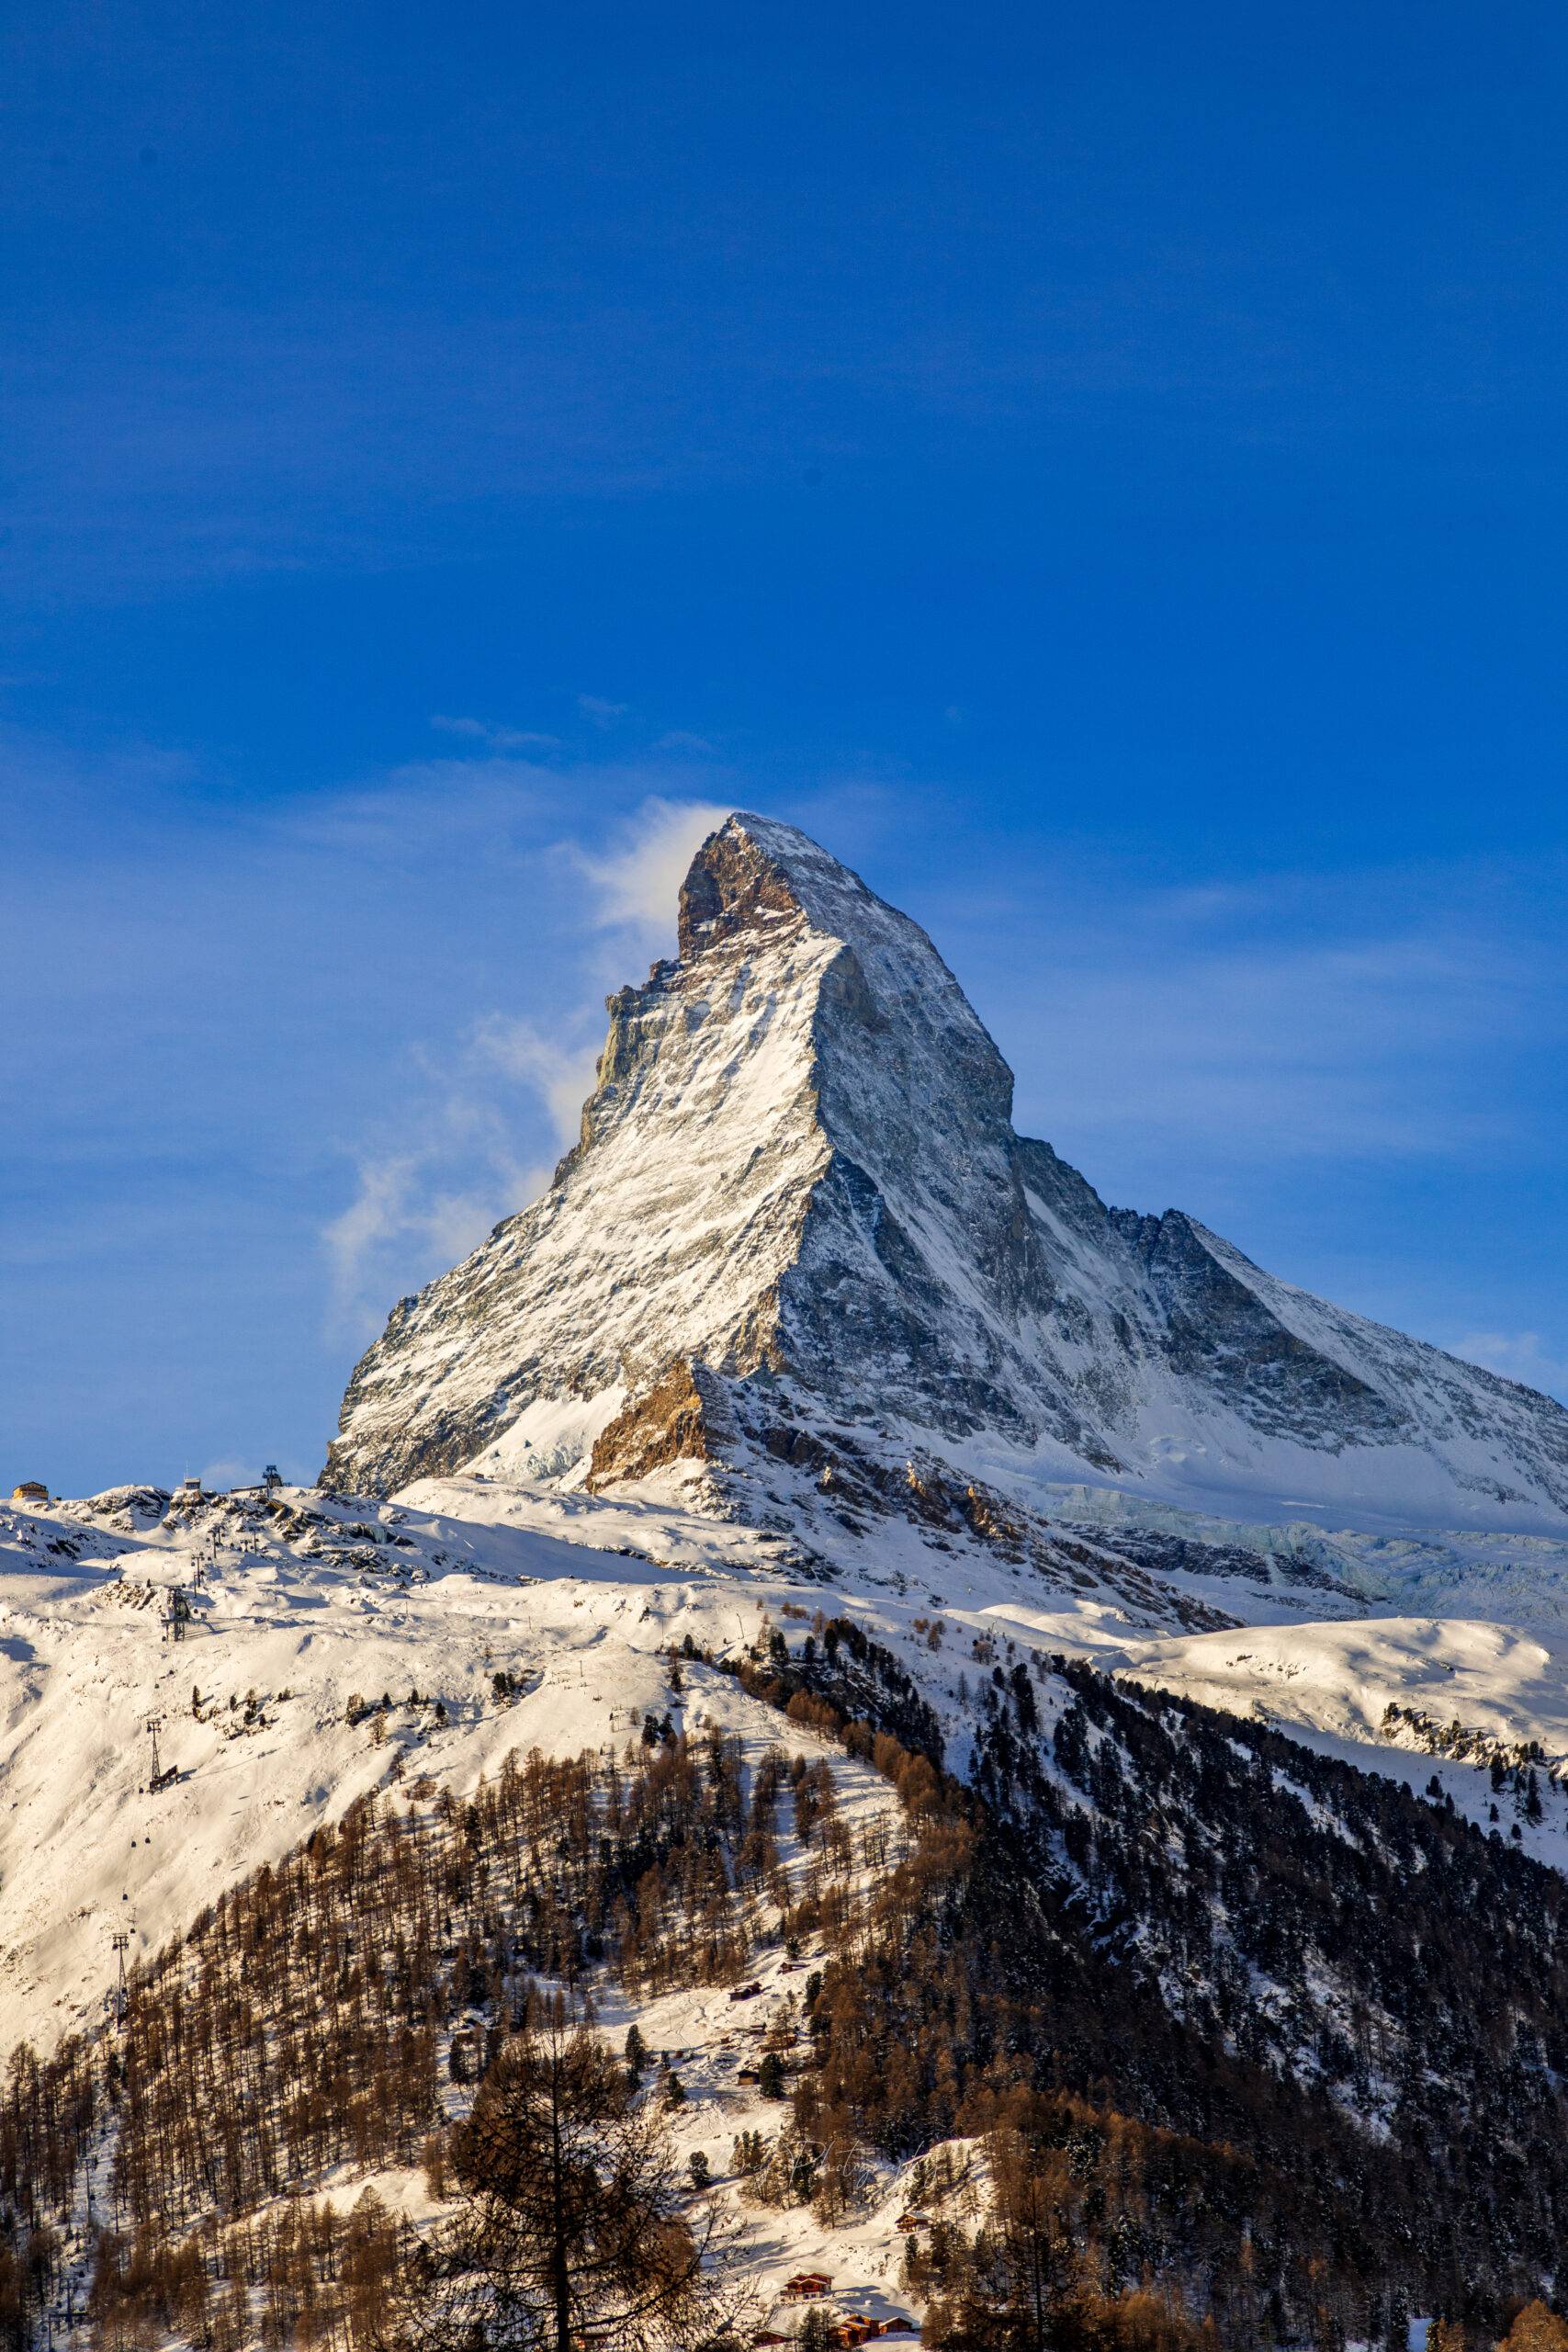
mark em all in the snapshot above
pixel 799 1217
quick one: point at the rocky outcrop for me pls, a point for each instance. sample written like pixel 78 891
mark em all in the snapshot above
pixel 668 1422
pixel 798 1198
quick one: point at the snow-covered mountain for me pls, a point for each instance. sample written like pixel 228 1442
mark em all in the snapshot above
pixel 801 1245
pixel 818 1435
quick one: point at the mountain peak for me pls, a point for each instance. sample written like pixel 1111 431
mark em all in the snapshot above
pixel 751 872
pixel 799 1203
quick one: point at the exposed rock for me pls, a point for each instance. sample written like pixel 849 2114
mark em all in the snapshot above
pixel 667 1423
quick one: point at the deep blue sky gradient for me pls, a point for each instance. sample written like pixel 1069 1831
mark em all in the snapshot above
pixel 1099 469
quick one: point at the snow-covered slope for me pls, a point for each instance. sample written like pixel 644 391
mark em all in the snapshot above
pixel 1481 1708
pixel 1344 1677
pixel 799 1238
pixel 308 1611
pixel 304 1611
pixel 303 1616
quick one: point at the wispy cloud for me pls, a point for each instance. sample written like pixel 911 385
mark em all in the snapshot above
pixel 636 881
pixel 561 1076
pixel 428 811
pixel 419 1207
pixel 1519 1356
pixel 228 1470
pixel 1267 1020
pixel 474 1105
pixel 599 712
pixel 1334 1050
pixel 497 739
pixel 401 1213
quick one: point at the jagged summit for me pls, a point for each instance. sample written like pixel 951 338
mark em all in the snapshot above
pixel 798 1219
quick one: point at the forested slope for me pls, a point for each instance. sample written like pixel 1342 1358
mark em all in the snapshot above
pixel 1245 2030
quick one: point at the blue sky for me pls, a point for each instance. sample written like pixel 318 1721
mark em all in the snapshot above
pixel 1100 470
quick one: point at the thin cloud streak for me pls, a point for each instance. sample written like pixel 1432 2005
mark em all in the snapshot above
pixel 497 739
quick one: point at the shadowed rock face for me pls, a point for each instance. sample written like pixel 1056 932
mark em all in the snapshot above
pixel 733 886
pixel 799 1197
